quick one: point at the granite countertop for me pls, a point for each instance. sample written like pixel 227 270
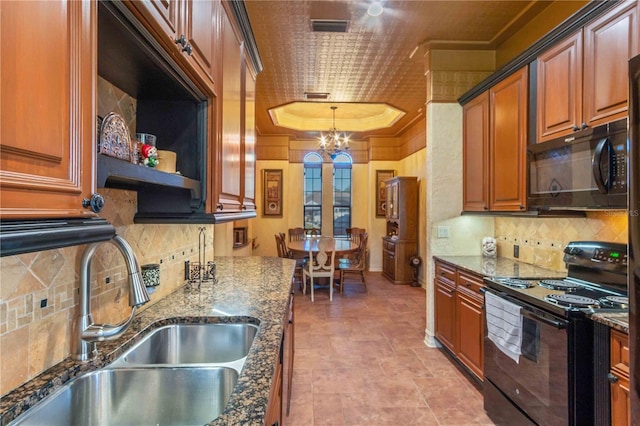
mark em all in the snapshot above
pixel 500 267
pixel 249 289
pixel 616 320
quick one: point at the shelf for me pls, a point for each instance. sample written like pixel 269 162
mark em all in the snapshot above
pixel 114 173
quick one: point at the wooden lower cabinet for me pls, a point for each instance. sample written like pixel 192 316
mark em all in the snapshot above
pixel 274 409
pixel 470 322
pixel 445 302
pixel 395 260
pixel 459 315
pixel 619 378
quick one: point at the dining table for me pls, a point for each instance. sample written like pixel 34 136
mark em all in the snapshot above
pixel 341 246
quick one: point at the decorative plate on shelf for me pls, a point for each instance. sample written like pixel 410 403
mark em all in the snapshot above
pixel 115 140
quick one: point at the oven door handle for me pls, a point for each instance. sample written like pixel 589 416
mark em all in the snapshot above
pixel 554 323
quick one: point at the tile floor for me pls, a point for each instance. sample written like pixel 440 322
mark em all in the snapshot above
pixel 361 360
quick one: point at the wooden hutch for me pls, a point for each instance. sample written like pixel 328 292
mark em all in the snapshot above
pixel 401 239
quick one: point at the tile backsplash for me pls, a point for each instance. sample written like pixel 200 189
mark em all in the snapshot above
pixel 39 291
pixel 542 241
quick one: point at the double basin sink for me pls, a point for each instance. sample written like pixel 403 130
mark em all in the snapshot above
pixel 179 374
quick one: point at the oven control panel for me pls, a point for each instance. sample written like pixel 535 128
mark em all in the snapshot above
pixel 597 255
pixel 610 256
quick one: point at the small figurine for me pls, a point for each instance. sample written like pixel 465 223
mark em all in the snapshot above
pixel 149 155
pixel 489 248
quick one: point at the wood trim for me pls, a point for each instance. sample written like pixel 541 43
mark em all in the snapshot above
pixel 574 23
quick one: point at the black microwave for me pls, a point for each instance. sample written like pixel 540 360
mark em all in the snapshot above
pixel 585 170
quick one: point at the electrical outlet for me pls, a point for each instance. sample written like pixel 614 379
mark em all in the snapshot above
pixel 516 251
pixel 443 231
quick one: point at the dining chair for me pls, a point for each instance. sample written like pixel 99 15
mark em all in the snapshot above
pixel 322 265
pixel 355 233
pixel 355 265
pixel 297 234
pixel 283 252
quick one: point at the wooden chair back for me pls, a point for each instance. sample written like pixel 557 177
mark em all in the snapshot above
pixel 280 246
pixel 296 234
pixel 355 234
pixel 324 261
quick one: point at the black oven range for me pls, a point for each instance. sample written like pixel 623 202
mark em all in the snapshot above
pixel 539 339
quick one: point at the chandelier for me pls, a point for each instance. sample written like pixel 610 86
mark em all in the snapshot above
pixel 334 142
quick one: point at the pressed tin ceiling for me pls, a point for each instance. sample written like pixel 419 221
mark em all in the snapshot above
pixel 368 64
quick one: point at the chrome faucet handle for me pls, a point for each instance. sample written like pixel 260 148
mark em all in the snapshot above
pixel 87 333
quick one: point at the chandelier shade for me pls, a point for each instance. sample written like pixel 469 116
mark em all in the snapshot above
pixel 333 142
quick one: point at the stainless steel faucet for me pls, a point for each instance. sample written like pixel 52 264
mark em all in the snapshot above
pixel 88 333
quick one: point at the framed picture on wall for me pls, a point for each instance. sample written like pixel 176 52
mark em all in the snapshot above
pixel 381 191
pixel 272 193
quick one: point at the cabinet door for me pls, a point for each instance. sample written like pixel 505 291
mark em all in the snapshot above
pixel 476 154
pixel 249 176
pixel 389 259
pixel 199 30
pixel 609 43
pixel 445 315
pixel 470 330
pixel 48 130
pixel 163 14
pixel 229 171
pixel 620 403
pixel 619 377
pixel 559 93
pixel 508 143
pixel 273 416
pixel 392 200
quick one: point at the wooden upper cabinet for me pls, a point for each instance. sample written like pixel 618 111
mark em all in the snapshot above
pixel 48 128
pixel 609 43
pixel 476 154
pixel 199 28
pixel 229 170
pixel 508 101
pixel 560 89
pixel 249 177
pixel 187 29
pixel 582 81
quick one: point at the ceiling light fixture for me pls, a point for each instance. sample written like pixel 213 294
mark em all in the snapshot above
pixel 334 142
pixel 375 9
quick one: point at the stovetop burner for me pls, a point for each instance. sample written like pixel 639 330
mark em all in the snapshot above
pixel 559 285
pixel 571 300
pixel 618 302
pixel 517 283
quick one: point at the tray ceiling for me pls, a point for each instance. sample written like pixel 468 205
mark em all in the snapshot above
pixel 375 61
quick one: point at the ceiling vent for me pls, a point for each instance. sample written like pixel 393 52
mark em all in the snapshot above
pixel 330 25
pixel 316 96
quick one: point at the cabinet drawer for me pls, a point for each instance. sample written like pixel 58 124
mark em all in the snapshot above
pixel 445 272
pixel 619 350
pixel 471 282
pixel 389 245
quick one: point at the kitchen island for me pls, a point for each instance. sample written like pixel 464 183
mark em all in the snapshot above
pixel 249 289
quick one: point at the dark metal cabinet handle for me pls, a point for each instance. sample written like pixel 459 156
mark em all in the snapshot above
pixel 244 207
pixel 182 41
pixel 584 126
pixel 612 378
pixel 187 49
pixel 220 206
pixel 95 203
pixel 576 128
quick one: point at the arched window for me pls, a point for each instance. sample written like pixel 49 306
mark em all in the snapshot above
pixel 341 194
pixel 312 191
